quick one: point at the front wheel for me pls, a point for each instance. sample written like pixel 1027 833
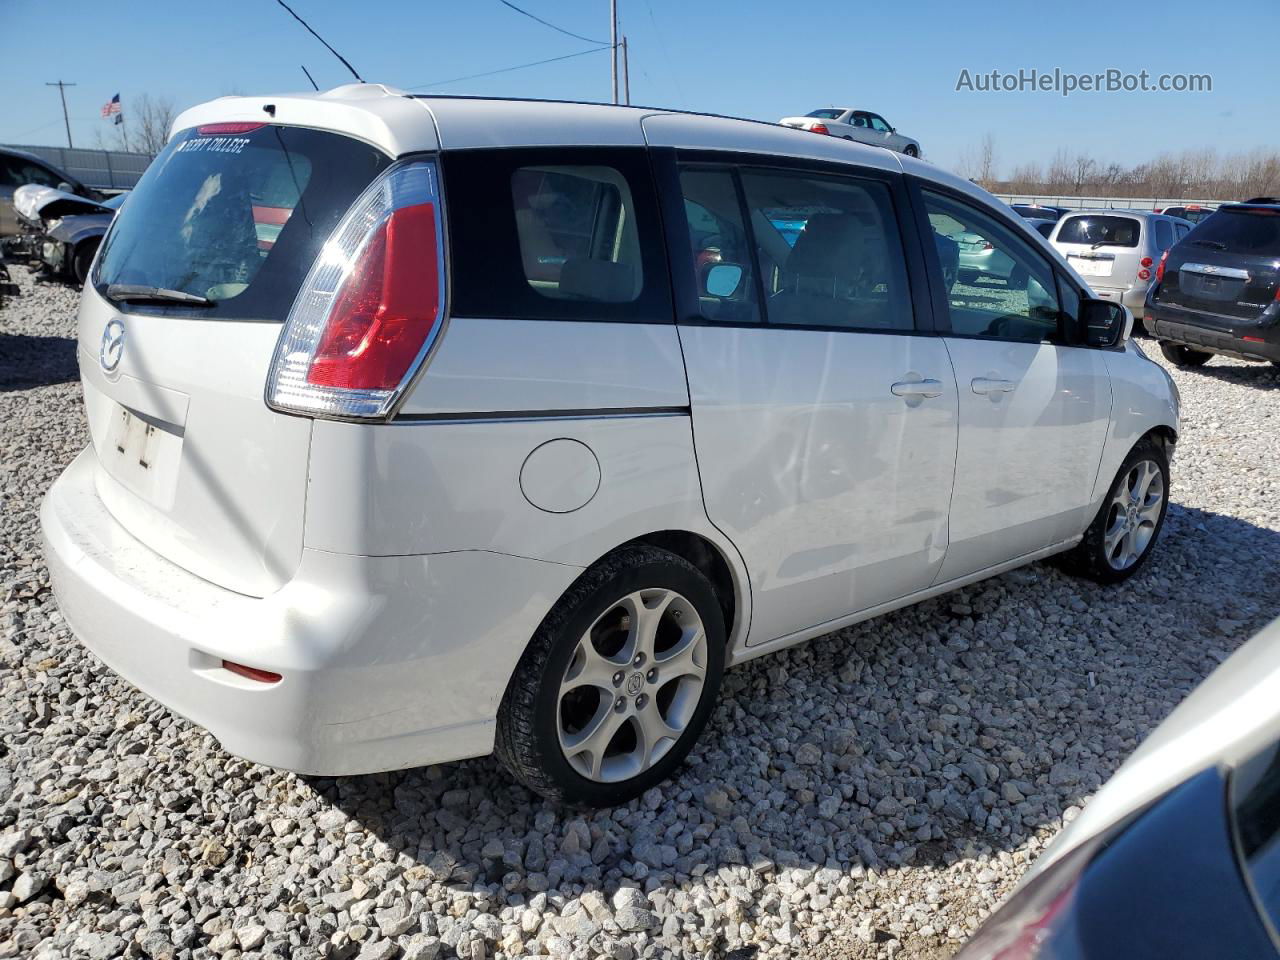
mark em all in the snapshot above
pixel 1182 356
pixel 83 260
pixel 1121 537
pixel 912 150
pixel 618 681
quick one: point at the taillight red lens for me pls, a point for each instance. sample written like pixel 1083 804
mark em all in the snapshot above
pixel 1160 267
pixel 371 305
pixel 819 128
pixel 1144 274
pixel 227 129
pixel 1147 261
pixel 387 307
pixel 251 673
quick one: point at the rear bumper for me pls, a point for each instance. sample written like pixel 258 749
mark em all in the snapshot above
pixel 1217 335
pixel 386 662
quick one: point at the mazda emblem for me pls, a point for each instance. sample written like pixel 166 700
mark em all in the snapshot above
pixel 112 346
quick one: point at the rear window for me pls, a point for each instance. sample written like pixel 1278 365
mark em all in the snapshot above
pixel 1237 230
pixel 824 114
pixel 235 217
pixel 1100 230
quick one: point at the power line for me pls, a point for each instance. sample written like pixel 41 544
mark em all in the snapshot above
pixel 519 66
pixel 547 23
pixel 322 40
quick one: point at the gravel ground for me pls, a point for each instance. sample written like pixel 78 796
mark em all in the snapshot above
pixel 871 794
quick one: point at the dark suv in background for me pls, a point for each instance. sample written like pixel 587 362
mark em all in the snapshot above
pixel 1218 289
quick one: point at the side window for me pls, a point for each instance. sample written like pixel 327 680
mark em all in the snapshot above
pixel 577 230
pixel 722 260
pixel 877 123
pixel 563 233
pixel 1164 235
pixel 1001 287
pixel 34 173
pixel 828 251
pixel 859 120
pixel 1182 229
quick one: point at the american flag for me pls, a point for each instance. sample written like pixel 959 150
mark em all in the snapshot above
pixel 112 106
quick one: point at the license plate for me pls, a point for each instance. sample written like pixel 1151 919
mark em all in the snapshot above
pixel 1087 267
pixel 142 455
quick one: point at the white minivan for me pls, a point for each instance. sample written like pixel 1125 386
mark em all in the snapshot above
pixel 428 427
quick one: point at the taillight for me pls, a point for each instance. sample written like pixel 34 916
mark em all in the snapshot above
pixel 1277 296
pixel 371 305
pixel 819 128
pixel 1144 274
pixel 1160 267
pixel 1147 261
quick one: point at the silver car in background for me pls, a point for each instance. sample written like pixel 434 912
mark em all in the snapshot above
pixel 850 124
pixel 1117 251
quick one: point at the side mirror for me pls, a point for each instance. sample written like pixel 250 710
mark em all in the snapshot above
pixel 722 279
pixel 66 187
pixel 1104 323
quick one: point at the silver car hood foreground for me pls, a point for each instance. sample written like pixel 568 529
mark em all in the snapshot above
pixel 1232 714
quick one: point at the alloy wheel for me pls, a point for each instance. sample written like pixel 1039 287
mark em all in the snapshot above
pixel 1134 514
pixel 632 685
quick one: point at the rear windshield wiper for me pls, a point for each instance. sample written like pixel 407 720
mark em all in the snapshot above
pixel 1216 244
pixel 137 291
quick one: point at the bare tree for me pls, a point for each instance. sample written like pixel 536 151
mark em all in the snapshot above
pixel 987 161
pixel 145 128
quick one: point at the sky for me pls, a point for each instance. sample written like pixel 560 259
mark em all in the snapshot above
pixel 743 58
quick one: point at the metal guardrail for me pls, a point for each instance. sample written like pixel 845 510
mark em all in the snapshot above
pixel 1108 203
pixel 100 169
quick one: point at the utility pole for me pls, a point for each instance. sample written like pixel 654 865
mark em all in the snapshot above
pixel 63 92
pixel 613 47
pixel 626 74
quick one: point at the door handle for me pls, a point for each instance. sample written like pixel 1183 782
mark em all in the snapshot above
pixel 983 385
pixel 917 388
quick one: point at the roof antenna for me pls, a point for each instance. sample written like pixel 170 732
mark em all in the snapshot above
pixel 322 40
pixel 309 77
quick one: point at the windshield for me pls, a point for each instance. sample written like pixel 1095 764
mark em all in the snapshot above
pixel 1239 230
pixel 825 114
pixel 235 215
pixel 1105 231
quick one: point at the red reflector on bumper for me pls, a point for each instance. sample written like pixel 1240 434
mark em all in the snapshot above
pixel 1253 339
pixel 251 673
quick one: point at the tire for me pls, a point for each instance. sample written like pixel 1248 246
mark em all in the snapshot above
pixel 82 260
pixel 968 277
pixel 1092 557
pixel 587 634
pixel 1182 356
pixel 1018 278
pixel 911 151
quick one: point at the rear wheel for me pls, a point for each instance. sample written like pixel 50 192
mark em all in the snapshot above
pixel 617 683
pixel 1121 537
pixel 82 260
pixel 1182 356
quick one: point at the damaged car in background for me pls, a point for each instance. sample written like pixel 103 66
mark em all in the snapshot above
pixel 58 231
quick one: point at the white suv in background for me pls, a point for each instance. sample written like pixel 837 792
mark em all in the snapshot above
pixel 425 426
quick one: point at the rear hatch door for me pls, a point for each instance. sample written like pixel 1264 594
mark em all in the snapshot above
pixel 1104 248
pixel 1228 266
pixel 177 332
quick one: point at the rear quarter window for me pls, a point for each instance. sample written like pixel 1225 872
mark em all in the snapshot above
pixel 1101 230
pixel 555 234
pixel 235 218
